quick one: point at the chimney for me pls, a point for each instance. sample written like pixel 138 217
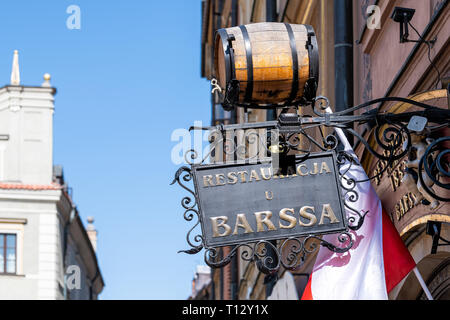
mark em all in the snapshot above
pixel 201 279
pixel 92 233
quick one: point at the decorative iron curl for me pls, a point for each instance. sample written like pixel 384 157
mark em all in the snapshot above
pixel 265 262
pixel 331 142
pixel 212 257
pixel 290 253
pixel 320 104
pixel 342 238
pixel 436 163
pixel 392 139
pixel 292 141
pixel 189 203
pixel 348 185
pixel 296 253
pixel 190 156
pixel 228 147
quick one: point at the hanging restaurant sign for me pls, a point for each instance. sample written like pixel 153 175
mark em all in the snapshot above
pixel 245 206
pixel 277 220
pixel 241 203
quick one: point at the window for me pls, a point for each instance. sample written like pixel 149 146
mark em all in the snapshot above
pixel 11 245
pixel 8 253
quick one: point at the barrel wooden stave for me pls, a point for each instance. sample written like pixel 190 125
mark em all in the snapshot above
pixel 272 62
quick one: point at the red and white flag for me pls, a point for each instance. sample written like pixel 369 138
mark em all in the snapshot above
pixel 375 264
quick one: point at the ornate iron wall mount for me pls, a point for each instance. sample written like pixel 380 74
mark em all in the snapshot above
pixel 391 132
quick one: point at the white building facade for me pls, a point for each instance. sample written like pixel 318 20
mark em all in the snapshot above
pixel 45 251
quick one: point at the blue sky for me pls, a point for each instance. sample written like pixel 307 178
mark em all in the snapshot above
pixel 125 81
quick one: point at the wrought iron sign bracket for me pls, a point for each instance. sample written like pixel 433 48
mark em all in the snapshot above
pixel 391 132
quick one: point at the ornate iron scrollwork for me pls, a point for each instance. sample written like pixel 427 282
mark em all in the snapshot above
pixel 189 203
pixel 296 134
pixel 435 162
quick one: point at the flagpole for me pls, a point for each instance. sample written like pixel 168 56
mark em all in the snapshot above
pixel 422 283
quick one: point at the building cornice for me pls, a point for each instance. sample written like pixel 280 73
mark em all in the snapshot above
pixel 12 88
pixel 13 220
pixel 30 195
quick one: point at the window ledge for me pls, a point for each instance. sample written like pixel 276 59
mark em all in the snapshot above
pixel 14 275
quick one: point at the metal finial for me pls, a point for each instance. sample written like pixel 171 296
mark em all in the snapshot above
pixel 15 72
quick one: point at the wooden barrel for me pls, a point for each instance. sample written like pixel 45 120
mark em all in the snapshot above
pixel 267 64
